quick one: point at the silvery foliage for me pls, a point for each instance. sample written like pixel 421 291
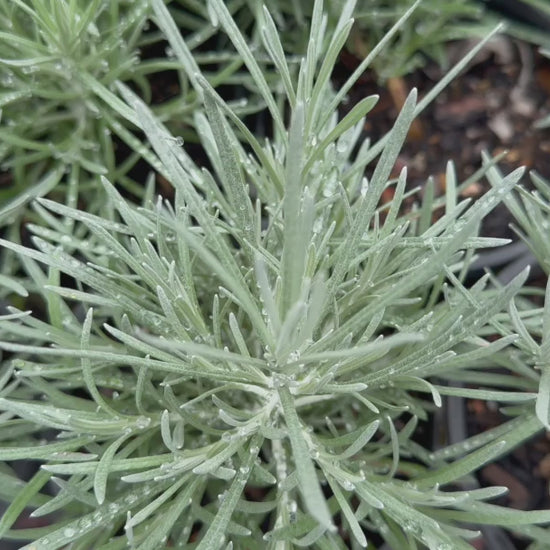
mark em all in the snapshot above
pixel 252 363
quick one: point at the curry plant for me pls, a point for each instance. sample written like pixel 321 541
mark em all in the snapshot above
pixel 531 211
pixel 54 55
pixel 59 62
pixel 432 27
pixel 56 134
pixel 425 35
pixel 252 364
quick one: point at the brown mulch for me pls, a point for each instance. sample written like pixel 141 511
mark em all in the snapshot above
pixel 491 107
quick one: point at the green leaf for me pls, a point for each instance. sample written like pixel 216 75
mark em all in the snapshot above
pixel 235 185
pixel 362 440
pixel 215 534
pixel 348 513
pixel 310 489
pixel 103 468
pixel 221 12
pixel 169 28
pixel 87 373
pixel 370 197
pixel 460 468
pixel 543 398
pixel 489 514
pixel 347 86
pixel 44 452
pixel 166 522
pixel 356 115
pixel 295 242
pixel 21 501
pixel 148 510
pixel 273 45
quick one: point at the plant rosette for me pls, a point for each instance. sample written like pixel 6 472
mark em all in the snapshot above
pixel 249 365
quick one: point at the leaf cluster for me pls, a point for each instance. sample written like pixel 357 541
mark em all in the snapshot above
pixel 252 363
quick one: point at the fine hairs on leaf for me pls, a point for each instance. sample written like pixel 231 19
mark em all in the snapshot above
pixel 250 360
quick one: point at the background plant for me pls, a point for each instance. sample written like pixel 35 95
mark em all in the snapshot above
pixel 62 123
pixel 425 35
pixel 53 56
pixel 251 364
pixel 531 211
pixel 59 62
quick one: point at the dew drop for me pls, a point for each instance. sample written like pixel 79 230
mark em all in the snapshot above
pixel 143 422
pixel 411 527
pixel 364 187
pixel 293 356
pixel 292 509
pixel 7 80
pixel 348 485
pixel 213 16
pixel 341 146
pixel 317 226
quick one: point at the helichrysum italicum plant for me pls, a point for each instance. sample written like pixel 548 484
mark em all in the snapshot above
pixel 432 27
pixel 531 211
pixel 59 62
pixel 249 365
pixel 55 58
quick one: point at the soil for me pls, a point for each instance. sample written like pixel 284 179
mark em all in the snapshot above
pixel 493 106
